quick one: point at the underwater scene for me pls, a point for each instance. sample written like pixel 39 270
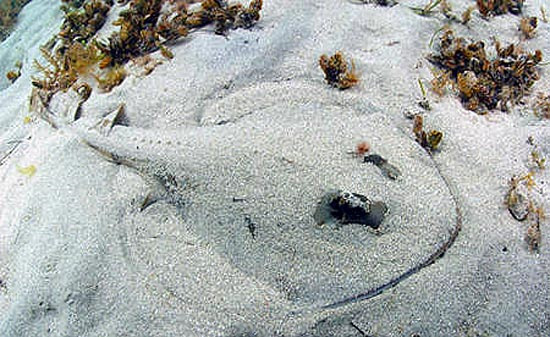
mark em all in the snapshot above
pixel 274 168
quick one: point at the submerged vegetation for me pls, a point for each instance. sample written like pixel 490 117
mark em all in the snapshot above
pixel 430 7
pixel 225 16
pixel 73 54
pixel 145 26
pixel 111 78
pixel 57 75
pixel 528 26
pixel 542 106
pixel 486 8
pixel 429 140
pixel 141 31
pixel 521 197
pixel 498 7
pixel 337 71
pixel 82 21
pixel 485 83
pixel 14 74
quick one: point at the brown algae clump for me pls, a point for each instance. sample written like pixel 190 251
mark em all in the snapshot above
pixel 146 26
pixel 142 28
pixel 337 71
pixel 441 81
pixel 499 7
pixel 528 26
pixel 225 16
pixel 111 78
pixel 82 21
pixel 429 140
pixel 72 54
pixel 13 75
pixel 487 83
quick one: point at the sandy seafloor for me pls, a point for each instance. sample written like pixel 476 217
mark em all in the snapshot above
pixel 243 130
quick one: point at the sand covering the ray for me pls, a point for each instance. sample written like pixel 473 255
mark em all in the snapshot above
pixel 243 130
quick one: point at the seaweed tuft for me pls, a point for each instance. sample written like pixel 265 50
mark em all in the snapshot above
pixel 225 16
pixel 429 140
pixel 83 20
pixel 499 7
pixel 337 71
pixel 111 78
pixel 487 83
pixel 13 75
pixel 146 26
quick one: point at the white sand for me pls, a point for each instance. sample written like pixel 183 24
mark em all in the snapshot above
pixel 242 129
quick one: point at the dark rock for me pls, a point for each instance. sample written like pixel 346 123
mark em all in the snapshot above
pixel 375 159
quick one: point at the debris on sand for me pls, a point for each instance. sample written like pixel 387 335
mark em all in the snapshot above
pixel 342 207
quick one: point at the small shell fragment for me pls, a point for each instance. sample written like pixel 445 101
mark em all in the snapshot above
pixel 518 204
pixel 28 170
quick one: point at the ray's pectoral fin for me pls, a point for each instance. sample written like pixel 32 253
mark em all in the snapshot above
pixel 163 186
